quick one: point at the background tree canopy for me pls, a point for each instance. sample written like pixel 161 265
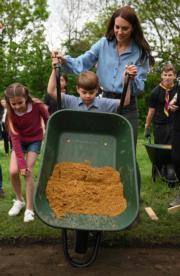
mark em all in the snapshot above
pixel 25 56
pixel 24 53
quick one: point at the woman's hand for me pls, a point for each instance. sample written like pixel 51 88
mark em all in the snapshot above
pixel 131 70
pixel 57 58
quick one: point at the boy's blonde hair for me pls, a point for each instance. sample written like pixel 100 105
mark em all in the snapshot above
pixel 88 80
pixel 168 67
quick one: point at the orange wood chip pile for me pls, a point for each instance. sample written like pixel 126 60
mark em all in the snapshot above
pixel 82 189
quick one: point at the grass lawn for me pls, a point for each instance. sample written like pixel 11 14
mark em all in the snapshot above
pixel 157 195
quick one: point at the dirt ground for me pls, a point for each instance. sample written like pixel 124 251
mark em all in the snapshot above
pixel 49 260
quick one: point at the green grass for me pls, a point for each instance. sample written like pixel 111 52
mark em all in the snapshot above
pixel 157 195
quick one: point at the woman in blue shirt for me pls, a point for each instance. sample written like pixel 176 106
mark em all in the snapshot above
pixel 123 50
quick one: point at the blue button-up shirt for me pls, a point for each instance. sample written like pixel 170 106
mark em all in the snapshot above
pixel 98 105
pixel 110 65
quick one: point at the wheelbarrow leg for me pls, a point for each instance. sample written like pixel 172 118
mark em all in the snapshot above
pixel 80 246
pixel 81 241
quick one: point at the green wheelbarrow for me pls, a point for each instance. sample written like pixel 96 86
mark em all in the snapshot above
pixel 103 139
pixel 161 157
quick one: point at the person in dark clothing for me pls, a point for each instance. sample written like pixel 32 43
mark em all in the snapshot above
pixel 160 115
pixel 158 112
pixel 50 101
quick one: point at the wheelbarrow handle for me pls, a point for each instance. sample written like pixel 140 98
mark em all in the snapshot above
pixel 58 86
pixel 149 139
pixel 123 96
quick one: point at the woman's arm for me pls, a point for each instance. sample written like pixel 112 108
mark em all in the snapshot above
pixel 140 78
pixel 81 63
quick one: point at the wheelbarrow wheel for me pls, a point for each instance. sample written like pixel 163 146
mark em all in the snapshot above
pixel 171 176
pixel 81 247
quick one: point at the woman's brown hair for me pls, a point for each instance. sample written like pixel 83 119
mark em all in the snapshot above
pixel 129 15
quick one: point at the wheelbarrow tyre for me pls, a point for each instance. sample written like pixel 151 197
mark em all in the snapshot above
pixel 87 262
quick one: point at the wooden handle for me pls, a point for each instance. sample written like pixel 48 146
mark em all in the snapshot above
pixel 151 213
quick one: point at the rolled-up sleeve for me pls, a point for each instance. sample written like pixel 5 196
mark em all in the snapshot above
pixel 139 81
pixel 83 62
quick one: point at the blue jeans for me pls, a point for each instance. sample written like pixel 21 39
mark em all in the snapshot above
pixel 34 147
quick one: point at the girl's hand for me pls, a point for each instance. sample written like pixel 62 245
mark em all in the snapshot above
pixel 57 58
pixel 25 172
pixel 131 70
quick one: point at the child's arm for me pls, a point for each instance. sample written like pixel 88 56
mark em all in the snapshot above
pixel 51 89
pixel 44 112
pixel 18 151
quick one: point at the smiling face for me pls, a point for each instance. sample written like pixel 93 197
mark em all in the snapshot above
pixel 18 104
pixel 168 78
pixel 87 96
pixel 122 30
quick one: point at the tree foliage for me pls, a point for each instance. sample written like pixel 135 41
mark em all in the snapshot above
pixel 162 26
pixel 24 53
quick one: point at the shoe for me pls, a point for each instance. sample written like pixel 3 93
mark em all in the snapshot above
pixel 175 202
pixel 28 215
pixel 2 193
pixel 16 208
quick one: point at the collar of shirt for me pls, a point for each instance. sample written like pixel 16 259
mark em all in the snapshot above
pixel 29 109
pixel 128 50
pixel 94 103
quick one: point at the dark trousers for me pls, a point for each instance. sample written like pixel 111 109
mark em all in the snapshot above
pixel 162 133
pixel 176 152
pixel 131 114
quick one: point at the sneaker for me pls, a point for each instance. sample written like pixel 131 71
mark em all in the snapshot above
pixel 16 208
pixel 28 215
pixel 175 202
pixel 2 193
